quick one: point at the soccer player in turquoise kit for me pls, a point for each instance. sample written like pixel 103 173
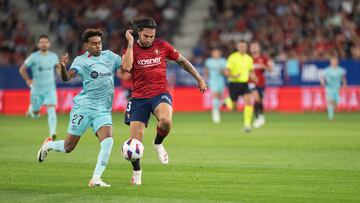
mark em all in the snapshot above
pixel 93 104
pixel 147 66
pixel 331 78
pixel 214 67
pixel 42 64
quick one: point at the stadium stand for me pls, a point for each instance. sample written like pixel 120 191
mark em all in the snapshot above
pixel 67 19
pixel 303 29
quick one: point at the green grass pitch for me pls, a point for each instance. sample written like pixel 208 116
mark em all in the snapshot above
pixel 294 158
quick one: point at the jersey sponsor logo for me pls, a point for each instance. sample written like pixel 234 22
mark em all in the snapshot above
pixel 95 74
pixel 149 62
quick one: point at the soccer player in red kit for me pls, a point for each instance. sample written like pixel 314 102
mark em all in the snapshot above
pixel 150 94
pixel 261 64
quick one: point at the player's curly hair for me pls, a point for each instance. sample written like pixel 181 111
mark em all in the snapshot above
pixel 143 22
pixel 91 33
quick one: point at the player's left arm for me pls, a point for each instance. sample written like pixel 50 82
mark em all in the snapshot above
pixel 188 67
pixel 58 69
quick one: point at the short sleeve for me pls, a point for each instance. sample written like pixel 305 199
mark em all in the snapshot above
pixel 206 63
pixel 323 72
pixel 343 71
pixel 77 65
pixel 172 53
pixel 230 62
pixel 29 61
pixel 56 59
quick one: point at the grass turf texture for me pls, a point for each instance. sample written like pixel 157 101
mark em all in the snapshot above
pixel 294 158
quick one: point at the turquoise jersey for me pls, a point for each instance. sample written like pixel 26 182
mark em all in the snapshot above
pixel 42 68
pixel 216 68
pixel 333 77
pixel 97 74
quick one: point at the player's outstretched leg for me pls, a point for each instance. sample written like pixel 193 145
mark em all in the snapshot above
pixel 330 110
pixel 216 109
pixel 159 147
pixel 30 113
pixel 163 112
pixel 64 146
pixel 106 143
pixel 52 121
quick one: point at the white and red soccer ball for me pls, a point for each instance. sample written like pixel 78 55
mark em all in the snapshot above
pixel 132 149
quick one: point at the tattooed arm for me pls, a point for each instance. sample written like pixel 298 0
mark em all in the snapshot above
pixel 186 65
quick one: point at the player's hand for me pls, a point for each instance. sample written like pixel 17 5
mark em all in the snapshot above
pixel 64 60
pixel 129 36
pixel 202 85
pixel 29 83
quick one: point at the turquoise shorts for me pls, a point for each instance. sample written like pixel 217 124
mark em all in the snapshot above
pixel 45 98
pixel 83 118
pixel 216 86
pixel 332 95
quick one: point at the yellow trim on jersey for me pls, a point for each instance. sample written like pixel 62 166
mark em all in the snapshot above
pixel 239 64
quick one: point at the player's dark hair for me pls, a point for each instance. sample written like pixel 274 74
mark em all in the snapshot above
pixel 143 22
pixel 91 33
pixel 42 36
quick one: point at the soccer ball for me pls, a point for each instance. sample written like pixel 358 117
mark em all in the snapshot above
pixel 132 149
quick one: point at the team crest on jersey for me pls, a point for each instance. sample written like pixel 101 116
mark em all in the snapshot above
pixel 157 52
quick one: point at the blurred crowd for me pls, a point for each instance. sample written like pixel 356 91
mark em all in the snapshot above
pixel 15 40
pixel 67 19
pixel 301 29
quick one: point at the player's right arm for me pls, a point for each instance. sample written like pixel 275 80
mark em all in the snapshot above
pixel 24 75
pixel 22 70
pixel 65 74
pixel 128 57
pixel 322 78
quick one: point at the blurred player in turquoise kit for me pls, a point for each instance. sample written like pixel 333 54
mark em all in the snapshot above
pixel 331 78
pixel 214 67
pixel 42 64
pixel 93 104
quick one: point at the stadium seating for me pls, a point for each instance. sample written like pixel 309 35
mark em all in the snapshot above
pixel 302 29
pixel 67 19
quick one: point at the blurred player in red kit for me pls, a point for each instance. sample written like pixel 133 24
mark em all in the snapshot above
pixel 261 64
pixel 150 95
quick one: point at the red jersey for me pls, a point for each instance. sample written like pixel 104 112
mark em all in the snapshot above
pixel 149 68
pixel 260 73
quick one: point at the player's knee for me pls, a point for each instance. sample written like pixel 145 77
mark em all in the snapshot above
pixel 165 124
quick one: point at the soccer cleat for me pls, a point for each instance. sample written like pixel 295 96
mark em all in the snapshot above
pixel 97 182
pixel 53 136
pixel 162 154
pixel 43 151
pixel 136 178
pixel 257 123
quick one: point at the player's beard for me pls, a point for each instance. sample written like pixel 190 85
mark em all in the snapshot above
pixel 144 44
